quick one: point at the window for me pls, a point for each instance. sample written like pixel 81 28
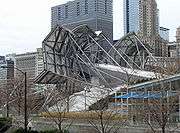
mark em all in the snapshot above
pixel 86 6
pixel 78 9
pixel 96 5
pixel 59 13
pixel 66 11
pixel 105 7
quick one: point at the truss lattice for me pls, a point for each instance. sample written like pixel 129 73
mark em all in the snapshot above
pixel 77 55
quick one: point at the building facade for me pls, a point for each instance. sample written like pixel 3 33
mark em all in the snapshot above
pixel 27 63
pixel 164 33
pixel 174 49
pixel 97 14
pixel 148 19
pixel 39 61
pixel 32 63
pixel 131 16
pixel 141 15
pixel 6 73
pixel 178 35
pixel 149 28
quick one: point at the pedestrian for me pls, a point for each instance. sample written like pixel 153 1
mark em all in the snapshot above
pixel 30 126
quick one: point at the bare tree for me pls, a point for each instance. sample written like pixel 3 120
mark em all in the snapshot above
pixel 12 97
pixel 104 119
pixel 157 105
pixel 157 112
pixel 56 106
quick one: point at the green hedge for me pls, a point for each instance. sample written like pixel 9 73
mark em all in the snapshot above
pixel 21 130
pixel 50 131
pixel 5 123
pixel 54 131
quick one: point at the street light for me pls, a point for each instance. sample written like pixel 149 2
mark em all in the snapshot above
pixel 25 95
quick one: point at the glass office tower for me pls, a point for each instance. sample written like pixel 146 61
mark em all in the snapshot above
pixel 131 16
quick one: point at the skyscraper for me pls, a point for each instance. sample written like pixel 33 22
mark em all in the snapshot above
pixel 148 19
pixel 32 63
pixel 149 27
pixel 131 16
pixel 164 33
pixel 97 14
pixel 6 73
pixel 27 63
pixel 141 16
pixel 178 35
pixel 39 61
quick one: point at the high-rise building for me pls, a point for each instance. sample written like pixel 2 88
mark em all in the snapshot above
pixel 8 72
pixel 178 35
pixel 164 33
pixel 149 28
pixel 157 21
pixel 148 19
pixel 131 16
pixel 174 49
pixel 27 63
pixel 32 63
pixel 10 57
pixel 97 14
pixel 141 15
pixel 178 41
pixel 3 72
pixel 39 61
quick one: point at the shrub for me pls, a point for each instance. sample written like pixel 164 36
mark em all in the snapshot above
pixel 21 130
pixel 5 123
pixel 49 131
pixel 55 131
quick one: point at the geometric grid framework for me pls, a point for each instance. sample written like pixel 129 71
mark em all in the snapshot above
pixel 72 57
pixel 133 53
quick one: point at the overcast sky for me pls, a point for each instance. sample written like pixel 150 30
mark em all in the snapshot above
pixel 25 23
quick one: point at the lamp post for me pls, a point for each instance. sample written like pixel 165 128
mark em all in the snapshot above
pixel 25 95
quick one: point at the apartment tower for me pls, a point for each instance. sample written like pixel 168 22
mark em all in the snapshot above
pixel 148 19
pixel 178 35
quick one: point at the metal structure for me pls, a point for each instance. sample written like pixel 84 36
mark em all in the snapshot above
pixel 73 57
pixel 130 52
